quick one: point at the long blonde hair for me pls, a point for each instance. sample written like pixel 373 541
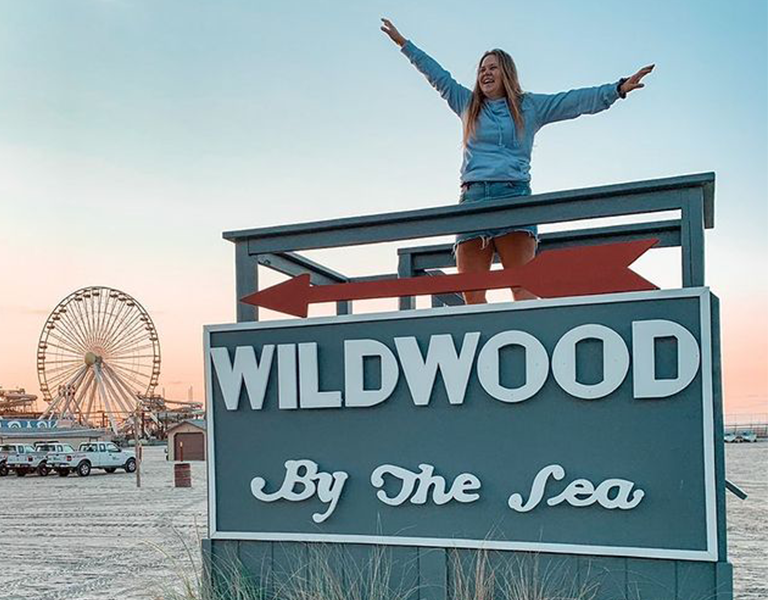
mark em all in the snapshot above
pixel 512 90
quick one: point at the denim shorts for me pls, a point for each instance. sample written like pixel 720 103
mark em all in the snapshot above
pixel 484 191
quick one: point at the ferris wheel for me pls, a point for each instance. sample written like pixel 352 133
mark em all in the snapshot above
pixel 98 356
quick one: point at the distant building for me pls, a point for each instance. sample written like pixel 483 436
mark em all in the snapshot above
pixel 186 440
pixel 25 432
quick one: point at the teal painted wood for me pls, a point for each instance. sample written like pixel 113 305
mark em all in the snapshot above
pixel 246 282
pixel 692 237
pixel 291 263
pixel 360 568
pixel 405 270
pixel 648 578
pixel 221 564
pixel 206 557
pixel 605 576
pixel 717 398
pixel 433 574
pixel 723 581
pixel 625 198
pixel 256 559
pixel 404 573
pixel 695 581
pixel 558 572
pixel 289 562
pixel 410 573
pixel 695 218
pixel 457 219
pixel 375 571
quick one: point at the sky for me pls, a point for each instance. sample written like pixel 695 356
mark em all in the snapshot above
pixel 134 132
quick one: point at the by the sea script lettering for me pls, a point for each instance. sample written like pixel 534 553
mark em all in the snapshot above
pixel 610 494
pixel 420 487
pixel 303 480
pixel 396 485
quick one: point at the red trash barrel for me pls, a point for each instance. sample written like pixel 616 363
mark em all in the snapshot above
pixel 182 475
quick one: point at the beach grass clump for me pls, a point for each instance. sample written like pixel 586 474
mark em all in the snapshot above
pixel 335 574
pixel 483 575
pixel 320 572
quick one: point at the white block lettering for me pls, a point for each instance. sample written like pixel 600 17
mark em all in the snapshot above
pixel 420 373
pixel 355 352
pixel 615 361
pixel 644 335
pixel 310 395
pixel 536 366
pixel 287 375
pixel 244 368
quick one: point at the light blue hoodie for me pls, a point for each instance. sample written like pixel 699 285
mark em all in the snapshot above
pixel 495 153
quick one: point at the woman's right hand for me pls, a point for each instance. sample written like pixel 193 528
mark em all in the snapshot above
pixel 392 32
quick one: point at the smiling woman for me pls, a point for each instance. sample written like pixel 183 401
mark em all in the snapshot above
pixel 500 122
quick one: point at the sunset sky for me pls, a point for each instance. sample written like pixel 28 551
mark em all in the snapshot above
pixel 133 132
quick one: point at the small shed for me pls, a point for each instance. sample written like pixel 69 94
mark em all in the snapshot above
pixel 186 440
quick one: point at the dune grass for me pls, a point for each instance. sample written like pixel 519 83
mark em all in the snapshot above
pixel 329 572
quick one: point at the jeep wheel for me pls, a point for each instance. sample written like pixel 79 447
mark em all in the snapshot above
pixel 3 470
pixel 62 472
pixel 110 469
pixel 84 469
pixel 130 465
pixel 43 470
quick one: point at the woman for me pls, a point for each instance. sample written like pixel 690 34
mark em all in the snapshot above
pixel 500 121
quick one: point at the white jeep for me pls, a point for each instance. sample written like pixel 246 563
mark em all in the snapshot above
pixel 93 455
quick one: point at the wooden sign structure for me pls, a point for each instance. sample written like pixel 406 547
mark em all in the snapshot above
pixel 582 432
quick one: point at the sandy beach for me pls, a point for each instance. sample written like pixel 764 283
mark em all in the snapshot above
pixel 83 538
pixel 100 537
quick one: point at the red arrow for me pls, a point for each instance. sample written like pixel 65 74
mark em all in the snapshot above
pixel 575 271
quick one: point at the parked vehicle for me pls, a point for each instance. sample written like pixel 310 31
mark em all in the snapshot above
pixel 747 436
pixel 738 437
pixel 28 459
pixel 53 447
pixel 5 451
pixel 93 455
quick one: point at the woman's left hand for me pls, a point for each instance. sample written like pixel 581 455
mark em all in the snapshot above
pixel 633 83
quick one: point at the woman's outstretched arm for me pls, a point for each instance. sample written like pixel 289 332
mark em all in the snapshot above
pixel 455 94
pixel 574 103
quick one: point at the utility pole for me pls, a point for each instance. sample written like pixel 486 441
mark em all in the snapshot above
pixel 137 443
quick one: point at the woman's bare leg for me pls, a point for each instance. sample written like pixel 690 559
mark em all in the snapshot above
pixel 515 249
pixel 472 257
